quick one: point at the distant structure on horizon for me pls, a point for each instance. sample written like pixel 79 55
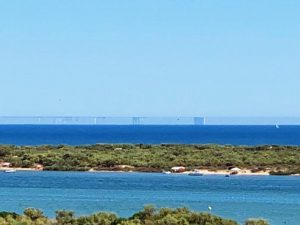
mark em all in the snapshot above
pixel 197 121
pixel 69 120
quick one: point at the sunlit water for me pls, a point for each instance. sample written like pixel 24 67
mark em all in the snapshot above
pixel 239 197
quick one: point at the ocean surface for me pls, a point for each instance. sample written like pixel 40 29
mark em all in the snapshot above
pixel 239 197
pixel 85 134
pixel 276 198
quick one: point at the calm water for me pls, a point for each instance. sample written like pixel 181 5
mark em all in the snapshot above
pixel 271 197
pixel 74 135
pixel 239 197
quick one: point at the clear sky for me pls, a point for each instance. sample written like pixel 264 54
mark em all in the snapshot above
pixel 150 58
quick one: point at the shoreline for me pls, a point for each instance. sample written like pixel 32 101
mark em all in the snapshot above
pixel 246 172
pixel 17 169
pixel 243 172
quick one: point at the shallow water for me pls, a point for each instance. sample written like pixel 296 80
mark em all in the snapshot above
pixel 276 198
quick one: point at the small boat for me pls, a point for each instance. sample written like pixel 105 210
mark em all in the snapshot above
pixel 195 173
pixel 10 171
pixel 227 175
pixel 166 172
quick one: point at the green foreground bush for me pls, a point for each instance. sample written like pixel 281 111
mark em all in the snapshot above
pixel 148 216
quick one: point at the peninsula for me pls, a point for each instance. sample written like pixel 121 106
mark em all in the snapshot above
pixel 279 160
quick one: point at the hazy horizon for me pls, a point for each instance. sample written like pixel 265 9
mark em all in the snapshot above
pixel 136 120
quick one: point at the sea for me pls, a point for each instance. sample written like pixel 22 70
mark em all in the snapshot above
pixel 184 134
pixel 275 198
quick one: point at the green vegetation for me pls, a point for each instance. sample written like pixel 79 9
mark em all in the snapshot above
pixel 153 158
pixel 148 216
pixel 256 222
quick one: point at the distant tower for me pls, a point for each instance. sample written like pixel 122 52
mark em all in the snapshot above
pixel 199 121
pixel 135 120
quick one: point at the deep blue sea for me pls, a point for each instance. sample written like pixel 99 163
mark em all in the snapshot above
pixel 77 135
pixel 276 198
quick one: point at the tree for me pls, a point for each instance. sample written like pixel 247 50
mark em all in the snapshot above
pixel 65 217
pixel 33 214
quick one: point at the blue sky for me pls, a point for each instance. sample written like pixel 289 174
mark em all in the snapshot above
pixel 150 58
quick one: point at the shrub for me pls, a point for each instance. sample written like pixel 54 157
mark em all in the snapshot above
pixel 33 214
pixel 256 222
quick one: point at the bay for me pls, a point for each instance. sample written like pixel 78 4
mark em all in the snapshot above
pixel 276 198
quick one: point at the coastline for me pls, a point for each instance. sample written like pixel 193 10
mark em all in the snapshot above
pixel 18 169
pixel 246 172
pixel 242 172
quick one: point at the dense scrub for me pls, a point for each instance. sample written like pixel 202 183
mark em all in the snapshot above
pixel 148 216
pixel 282 159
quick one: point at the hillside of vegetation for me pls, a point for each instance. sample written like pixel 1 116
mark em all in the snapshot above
pixel 148 216
pixel 280 159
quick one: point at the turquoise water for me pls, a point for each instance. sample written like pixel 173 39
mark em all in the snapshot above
pixel 276 198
